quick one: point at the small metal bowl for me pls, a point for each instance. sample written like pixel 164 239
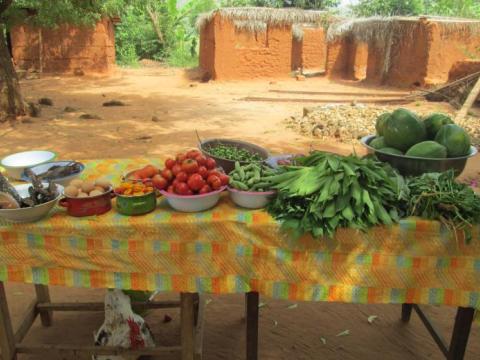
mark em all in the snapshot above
pixel 414 166
pixel 226 164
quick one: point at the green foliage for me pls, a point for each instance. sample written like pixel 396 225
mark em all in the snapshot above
pixel 458 8
pixel 388 7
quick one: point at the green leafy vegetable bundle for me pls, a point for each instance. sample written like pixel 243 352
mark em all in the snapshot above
pixel 438 196
pixel 329 191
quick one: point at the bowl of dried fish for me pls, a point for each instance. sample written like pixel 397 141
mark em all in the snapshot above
pixel 60 172
pixel 15 164
pixel 27 202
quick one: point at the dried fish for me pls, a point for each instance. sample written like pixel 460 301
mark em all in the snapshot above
pixel 60 171
pixel 40 194
pixel 6 187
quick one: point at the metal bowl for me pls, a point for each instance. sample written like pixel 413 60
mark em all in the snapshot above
pixel 229 165
pixel 414 166
pixel 30 214
pixel 15 164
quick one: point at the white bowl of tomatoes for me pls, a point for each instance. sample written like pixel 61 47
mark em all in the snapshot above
pixel 191 181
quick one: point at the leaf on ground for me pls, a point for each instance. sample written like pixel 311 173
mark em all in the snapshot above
pixel 372 318
pixel 293 306
pixel 208 301
pixel 261 305
pixel 324 341
pixel 275 322
pixel 344 333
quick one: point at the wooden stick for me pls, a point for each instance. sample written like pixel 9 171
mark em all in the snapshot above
pixel 386 94
pixel 329 101
pixel 43 296
pixel 27 322
pixel 468 102
pixel 251 308
pixel 200 321
pixel 7 341
pixel 187 320
pixel 98 306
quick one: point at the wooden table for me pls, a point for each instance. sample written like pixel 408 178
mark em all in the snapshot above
pixel 191 306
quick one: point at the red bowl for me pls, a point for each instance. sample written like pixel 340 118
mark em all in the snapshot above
pixel 88 206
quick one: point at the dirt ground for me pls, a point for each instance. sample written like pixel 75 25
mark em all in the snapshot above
pixel 181 105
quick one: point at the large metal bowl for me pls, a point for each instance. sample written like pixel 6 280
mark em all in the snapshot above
pixel 414 166
pixel 229 165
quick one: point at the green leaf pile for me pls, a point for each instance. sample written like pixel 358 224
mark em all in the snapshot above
pixel 437 196
pixel 328 191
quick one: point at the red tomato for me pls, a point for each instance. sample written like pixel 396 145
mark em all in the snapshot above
pixel 167 174
pixel 192 154
pixel 180 158
pixel 119 190
pixel 202 170
pixel 214 172
pixel 196 182
pixel 175 182
pixel 215 182
pixel 181 188
pixel 182 176
pixel 169 163
pixel 176 169
pixel 171 190
pixel 225 179
pixel 211 163
pixel 205 189
pixel 190 166
pixel 202 160
pixel 136 176
pixel 189 192
pixel 150 171
pixel 159 182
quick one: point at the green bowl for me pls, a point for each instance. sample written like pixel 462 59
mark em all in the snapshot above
pixel 136 205
pixel 414 166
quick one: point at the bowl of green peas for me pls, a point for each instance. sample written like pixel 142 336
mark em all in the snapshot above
pixel 228 151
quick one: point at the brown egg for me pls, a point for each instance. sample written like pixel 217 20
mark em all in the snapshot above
pixel 104 183
pixel 71 191
pixel 99 188
pixel 96 193
pixel 88 186
pixel 82 195
pixel 76 182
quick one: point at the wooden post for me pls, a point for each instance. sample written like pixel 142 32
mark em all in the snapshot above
pixel 252 302
pixel 40 50
pixel 7 342
pixel 468 102
pixel 461 332
pixel 187 328
pixel 406 312
pixel 43 296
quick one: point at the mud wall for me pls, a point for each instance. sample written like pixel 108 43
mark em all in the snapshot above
pixel 314 49
pixel 463 68
pixel 446 48
pixel 296 54
pixel 239 54
pixel 339 53
pixel 65 49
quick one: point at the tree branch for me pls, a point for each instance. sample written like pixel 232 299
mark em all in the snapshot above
pixel 4 5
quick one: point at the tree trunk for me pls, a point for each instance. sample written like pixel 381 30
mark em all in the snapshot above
pixel 156 26
pixel 11 100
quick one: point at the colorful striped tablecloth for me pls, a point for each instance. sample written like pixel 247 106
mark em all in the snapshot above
pixel 232 250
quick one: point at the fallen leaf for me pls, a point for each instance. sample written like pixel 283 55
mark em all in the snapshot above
pixel 261 305
pixel 208 301
pixel 275 322
pixel 344 333
pixel 324 341
pixel 372 318
pixel 293 306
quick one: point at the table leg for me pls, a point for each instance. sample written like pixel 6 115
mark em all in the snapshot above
pixel 43 296
pixel 7 342
pixel 187 328
pixel 461 332
pixel 406 312
pixel 251 302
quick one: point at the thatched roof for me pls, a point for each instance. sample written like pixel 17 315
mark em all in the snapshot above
pixel 257 18
pixel 382 32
